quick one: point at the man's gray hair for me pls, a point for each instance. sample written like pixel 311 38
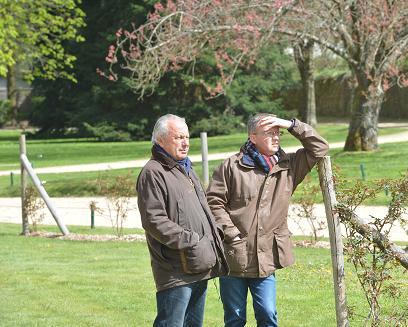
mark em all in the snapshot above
pixel 254 121
pixel 160 128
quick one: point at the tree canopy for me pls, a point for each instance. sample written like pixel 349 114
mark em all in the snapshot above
pixel 96 106
pixel 34 33
pixel 371 36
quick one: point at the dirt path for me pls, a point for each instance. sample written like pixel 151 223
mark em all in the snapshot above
pixel 76 211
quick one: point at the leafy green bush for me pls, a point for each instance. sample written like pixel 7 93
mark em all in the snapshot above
pixel 218 125
pixel 107 132
pixel 138 129
pixel 4 111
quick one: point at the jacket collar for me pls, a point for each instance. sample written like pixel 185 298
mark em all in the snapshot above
pixel 247 162
pixel 160 155
pixel 163 158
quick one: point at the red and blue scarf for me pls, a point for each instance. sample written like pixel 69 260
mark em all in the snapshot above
pixel 253 157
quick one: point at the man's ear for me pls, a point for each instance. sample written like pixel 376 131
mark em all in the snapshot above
pixel 252 138
pixel 159 141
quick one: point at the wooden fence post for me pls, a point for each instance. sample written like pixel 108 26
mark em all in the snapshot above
pixel 25 224
pixel 204 154
pixel 40 188
pixel 336 243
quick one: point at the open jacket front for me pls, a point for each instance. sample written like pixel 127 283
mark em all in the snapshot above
pixel 251 204
pixel 183 241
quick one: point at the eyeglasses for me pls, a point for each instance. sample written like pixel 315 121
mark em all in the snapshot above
pixel 271 134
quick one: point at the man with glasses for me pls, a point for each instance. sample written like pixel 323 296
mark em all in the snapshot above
pixel 249 196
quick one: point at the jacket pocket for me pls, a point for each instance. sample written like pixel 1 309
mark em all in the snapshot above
pixel 199 258
pixel 283 254
pixel 236 254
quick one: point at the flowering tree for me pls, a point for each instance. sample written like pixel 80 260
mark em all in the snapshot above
pixel 371 36
pixel 177 33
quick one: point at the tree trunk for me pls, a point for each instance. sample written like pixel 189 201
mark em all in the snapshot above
pixel 303 53
pixel 363 128
pixel 12 93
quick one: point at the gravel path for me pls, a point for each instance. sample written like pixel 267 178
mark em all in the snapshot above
pixel 76 211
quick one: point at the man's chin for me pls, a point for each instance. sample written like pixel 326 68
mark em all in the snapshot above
pixel 182 156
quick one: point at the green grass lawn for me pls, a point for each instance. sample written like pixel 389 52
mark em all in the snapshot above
pixel 45 153
pixel 50 282
pixel 388 162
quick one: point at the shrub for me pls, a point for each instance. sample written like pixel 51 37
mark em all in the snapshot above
pixel 138 129
pixel 373 261
pixel 34 206
pixel 218 125
pixel 107 132
pixel 118 195
pixel 4 112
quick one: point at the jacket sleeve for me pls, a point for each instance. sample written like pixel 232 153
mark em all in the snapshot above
pixel 314 148
pixel 217 197
pixel 152 206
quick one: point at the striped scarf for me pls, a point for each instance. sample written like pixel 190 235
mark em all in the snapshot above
pixel 264 162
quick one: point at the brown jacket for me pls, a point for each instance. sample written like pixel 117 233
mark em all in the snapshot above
pixel 247 202
pixel 183 241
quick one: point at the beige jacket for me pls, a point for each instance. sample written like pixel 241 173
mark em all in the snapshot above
pixel 248 203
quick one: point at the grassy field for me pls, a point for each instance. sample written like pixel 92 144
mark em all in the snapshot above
pixel 45 153
pixel 388 162
pixel 50 282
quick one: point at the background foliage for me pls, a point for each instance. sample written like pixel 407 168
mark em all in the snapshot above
pixel 110 111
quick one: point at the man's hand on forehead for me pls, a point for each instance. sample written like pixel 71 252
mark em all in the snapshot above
pixel 274 123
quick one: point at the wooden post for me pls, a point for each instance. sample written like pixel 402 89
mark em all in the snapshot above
pixel 204 155
pixel 92 205
pixel 336 243
pixel 25 224
pixel 37 183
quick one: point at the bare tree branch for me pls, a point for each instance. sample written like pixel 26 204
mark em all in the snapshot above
pixel 364 229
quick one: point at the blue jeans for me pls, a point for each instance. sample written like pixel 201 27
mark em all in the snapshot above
pixel 181 306
pixel 234 291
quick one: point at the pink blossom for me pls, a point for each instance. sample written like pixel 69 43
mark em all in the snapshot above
pixel 171 6
pixel 153 16
pixel 237 28
pixel 134 54
pixel 218 89
pixel 159 7
pixel 99 72
pixel 250 28
pixel 386 85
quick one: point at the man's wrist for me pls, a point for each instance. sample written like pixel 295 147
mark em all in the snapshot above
pixel 292 124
